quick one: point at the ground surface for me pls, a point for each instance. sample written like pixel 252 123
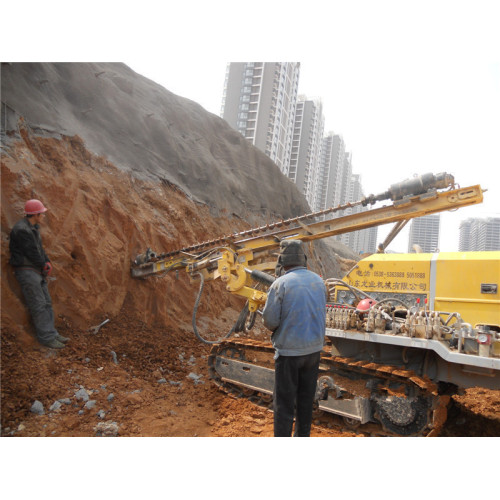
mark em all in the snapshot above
pixel 140 381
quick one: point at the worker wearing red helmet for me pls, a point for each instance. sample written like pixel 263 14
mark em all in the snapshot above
pixel 32 267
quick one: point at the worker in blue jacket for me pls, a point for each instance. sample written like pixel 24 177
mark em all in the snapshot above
pixel 295 312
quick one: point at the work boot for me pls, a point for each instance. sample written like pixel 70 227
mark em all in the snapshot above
pixel 54 344
pixel 62 339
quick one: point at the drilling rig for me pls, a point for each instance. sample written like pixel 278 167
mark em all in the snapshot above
pixel 404 332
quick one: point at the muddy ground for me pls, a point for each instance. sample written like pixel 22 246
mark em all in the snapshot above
pixel 141 381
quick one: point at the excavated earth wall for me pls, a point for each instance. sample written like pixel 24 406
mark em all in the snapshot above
pixel 147 131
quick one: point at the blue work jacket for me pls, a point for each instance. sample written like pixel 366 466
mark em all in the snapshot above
pixel 296 312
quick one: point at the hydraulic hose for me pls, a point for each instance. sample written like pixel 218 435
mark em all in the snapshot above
pixel 389 299
pixel 196 304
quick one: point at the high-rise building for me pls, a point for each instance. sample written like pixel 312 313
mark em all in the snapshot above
pixel 259 100
pixel 337 185
pixel 306 147
pixel 479 234
pixel 369 241
pixel 464 243
pixel 347 189
pixel 331 191
pixel 363 241
pixel 424 234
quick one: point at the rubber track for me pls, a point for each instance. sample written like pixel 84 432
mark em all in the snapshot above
pixel 424 386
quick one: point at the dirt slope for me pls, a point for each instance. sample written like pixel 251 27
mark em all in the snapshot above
pixel 145 130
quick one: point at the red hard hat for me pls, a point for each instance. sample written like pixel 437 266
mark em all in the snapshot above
pixel 33 207
pixel 365 304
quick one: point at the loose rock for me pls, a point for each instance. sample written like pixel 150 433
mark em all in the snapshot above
pixel 37 408
pixel 90 404
pixel 82 394
pixel 56 405
pixel 196 378
pixel 106 429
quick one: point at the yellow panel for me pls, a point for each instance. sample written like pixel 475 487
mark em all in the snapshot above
pixel 459 276
pixel 458 285
pixel 396 273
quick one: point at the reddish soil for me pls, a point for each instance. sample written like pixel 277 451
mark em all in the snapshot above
pixel 178 405
pixel 146 356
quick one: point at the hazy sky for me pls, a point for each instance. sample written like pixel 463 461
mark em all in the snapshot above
pixel 413 87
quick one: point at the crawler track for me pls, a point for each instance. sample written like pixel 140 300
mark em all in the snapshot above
pixel 402 403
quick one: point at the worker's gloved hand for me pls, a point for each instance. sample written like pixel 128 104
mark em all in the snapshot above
pixel 47 269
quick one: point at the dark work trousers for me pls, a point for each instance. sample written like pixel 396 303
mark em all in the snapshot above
pixel 295 380
pixel 36 294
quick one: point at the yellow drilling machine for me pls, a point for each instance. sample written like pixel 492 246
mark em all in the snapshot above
pixel 404 332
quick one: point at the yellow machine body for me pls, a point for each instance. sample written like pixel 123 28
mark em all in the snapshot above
pixel 463 282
